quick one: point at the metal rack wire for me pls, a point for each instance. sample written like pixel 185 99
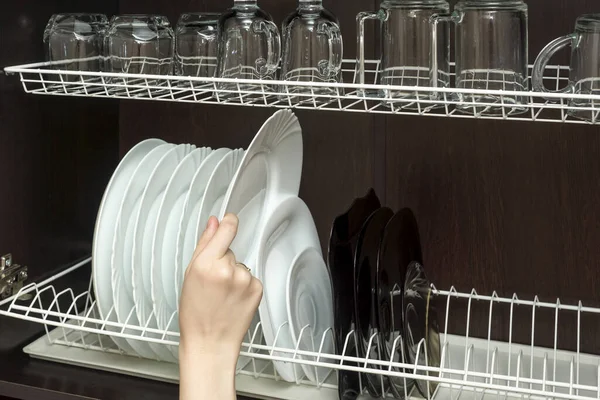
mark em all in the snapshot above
pixel 466 102
pixel 471 367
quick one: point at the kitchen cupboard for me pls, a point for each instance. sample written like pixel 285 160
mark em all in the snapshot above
pixel 505 206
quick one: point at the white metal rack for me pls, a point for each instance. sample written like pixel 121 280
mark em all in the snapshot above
pixel 48 78
pixel 471 368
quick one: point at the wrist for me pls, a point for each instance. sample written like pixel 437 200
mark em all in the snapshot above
pixel 223 355
pixel 206 373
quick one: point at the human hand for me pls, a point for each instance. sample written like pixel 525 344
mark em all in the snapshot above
pixel 218 301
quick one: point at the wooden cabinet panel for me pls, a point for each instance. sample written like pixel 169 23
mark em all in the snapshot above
pixel 57 154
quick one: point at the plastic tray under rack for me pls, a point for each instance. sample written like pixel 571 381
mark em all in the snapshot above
pixel 264 386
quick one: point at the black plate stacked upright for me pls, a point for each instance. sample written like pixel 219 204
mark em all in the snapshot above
pixel 365 297
pixel 381 293
pixel 340 261
pixel 399 246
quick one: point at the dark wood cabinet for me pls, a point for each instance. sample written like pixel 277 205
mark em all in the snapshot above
pixel 502 205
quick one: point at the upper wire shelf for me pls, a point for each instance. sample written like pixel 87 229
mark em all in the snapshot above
pixel 474 364
pixel 351 96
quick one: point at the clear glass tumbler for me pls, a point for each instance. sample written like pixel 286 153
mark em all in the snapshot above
pixel 249 48
pixel 584 75
pixel 312 51
pixel 491 50
pixel 76 39
pixel 196 44
pixel 139 44
pixel 406 52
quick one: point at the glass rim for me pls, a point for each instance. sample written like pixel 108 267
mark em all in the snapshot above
pixel 76 14
pixel 414 4
pixel 199 17
pixel 202 13
pixel 588 23
pixel 492 4
pixel 97 18
pixel 158 19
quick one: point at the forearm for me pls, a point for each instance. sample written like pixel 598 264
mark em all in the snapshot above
pixel 206 375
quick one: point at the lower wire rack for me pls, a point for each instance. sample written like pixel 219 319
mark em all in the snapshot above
pixel 491 347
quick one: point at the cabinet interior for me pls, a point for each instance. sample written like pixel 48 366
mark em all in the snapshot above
pixel 505 206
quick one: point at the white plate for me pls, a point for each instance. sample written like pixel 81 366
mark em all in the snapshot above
pixel 216 189
pixel 289 231
pixel 104 232
pixel 162 276
pixel 141 255
pixel 310 309
pixel 122 243
pixel 185 241
pixel 272 167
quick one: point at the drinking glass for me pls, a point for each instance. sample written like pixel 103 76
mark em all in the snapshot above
pixel 249 48
pixel 139 44
pixel 406 40
pixel 312 50
pixel 584 73
pixel 491 46
pixel 196 44
pixel 78 39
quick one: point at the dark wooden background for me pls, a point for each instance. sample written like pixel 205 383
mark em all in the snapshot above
pixel 505 206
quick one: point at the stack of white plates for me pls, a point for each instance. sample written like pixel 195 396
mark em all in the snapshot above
pixel 154 210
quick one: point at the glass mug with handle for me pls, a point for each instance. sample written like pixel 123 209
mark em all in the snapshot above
pixel 312 51
pixel 76 42
pixel 584 73
pixel 196 44
pixel 249 48
pixel 406 40
pixel 491 50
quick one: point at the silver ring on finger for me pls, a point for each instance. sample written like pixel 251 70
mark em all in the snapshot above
pixel 243 265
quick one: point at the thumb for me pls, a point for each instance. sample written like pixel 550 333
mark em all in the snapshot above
pixel 207 235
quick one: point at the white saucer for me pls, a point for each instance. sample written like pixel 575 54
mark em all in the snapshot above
pixel 105 230
pixel 162 277
pixel 141 255
pixel 310 309
pixel 191 208
pixel 289 230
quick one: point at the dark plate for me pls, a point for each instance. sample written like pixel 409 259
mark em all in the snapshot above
pixel 421 324
pixel 365 296
pixel 399 247
pixel 340 261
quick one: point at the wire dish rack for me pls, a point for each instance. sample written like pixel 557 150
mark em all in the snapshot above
pixel 470 368
pixel 485 99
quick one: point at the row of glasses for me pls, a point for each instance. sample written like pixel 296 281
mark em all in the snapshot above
pixel 243 43
pixel 250 48
pixel 491 39
pixel 134 44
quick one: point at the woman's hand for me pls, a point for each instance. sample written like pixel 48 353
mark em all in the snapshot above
pixel 218 301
